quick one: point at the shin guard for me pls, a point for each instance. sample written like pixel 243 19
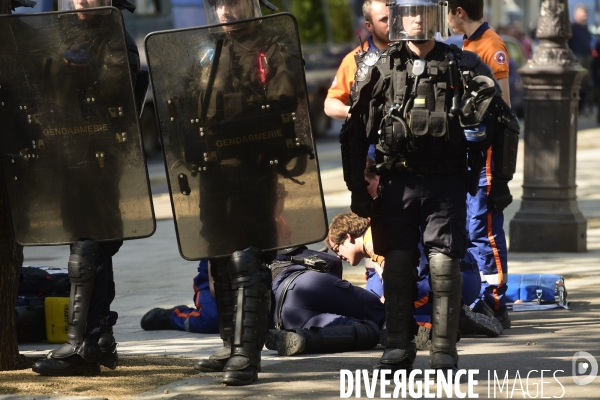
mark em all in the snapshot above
pixel 446 284
pixel 224 298
pixel 251 283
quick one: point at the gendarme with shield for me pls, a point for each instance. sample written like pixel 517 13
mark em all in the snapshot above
pixel 424 105
pixel 233 113
pixel 72 158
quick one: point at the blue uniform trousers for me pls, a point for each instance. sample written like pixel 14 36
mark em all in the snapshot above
pixel 321 299
pixel 487 243
pixel 202 318
pixel 423 305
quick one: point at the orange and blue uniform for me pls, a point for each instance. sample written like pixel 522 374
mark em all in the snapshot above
pixel 203 317
pixel 487 239
pixel 423 304
pixel 344 78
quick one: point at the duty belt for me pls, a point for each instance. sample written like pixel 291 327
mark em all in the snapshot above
pixel 395 165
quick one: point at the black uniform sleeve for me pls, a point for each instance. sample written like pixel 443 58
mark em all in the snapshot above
pixel 355 131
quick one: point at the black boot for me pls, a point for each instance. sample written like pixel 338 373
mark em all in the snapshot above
pixel 446 285
pixel 81 355
pixel 159 318
pixel 363 335
pixel 251 283
pixel 399 276
pixel 224 298
pixel 472 323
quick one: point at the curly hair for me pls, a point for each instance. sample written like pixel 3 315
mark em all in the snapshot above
pixel 347 223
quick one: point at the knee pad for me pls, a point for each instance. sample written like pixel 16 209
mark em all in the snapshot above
pixel 244 267
pixel 85 260
pixel 400 264
pixel 445 274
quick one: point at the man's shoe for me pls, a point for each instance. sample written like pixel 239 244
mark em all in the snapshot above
pixel 398 359
pixel 158 319
pixel 472 323
pixel 271 339
pixel 287 343
pixel 423 338
pixel 240 378
pixel 216 362
pixel 482 307
pixel 240 371
pixel 503 318
pixel 70 366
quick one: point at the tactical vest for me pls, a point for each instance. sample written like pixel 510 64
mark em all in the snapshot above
pixel 411 123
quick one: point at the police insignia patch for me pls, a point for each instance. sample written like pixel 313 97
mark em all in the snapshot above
pixel 500 57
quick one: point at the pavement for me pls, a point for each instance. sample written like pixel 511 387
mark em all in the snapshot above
pixel 535 355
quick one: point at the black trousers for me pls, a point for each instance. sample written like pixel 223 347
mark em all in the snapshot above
pixel 434 206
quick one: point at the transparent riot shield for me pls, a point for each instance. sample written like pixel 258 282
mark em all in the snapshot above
pixel 70 146
pixel 233 114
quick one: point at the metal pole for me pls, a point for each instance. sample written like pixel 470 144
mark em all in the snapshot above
pixel 549 219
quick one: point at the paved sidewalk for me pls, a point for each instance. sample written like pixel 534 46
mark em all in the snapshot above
pixel 151 273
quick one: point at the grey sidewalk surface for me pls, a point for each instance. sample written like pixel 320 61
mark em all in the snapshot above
pixel 150 273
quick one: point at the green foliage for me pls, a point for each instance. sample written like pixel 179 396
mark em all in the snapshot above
pixel 311 19
pixel 342 20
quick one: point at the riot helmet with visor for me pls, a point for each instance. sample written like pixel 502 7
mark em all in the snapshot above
pixel 418 20
pixel 228 11
pixel 73 5
pixel 76 5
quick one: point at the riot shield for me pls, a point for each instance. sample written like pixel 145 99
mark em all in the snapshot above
pixel 71 151
pixel 233 114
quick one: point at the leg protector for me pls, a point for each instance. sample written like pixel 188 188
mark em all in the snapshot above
pixel 399 276
pixel 251 283
pixel 363 335
pixel 81 354
pixel 224 298
pixel 446 284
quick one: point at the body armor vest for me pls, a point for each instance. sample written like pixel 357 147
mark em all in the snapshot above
pixel 412 125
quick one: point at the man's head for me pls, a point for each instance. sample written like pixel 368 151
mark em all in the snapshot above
pixel 226 11
pixel 580 15
pixel 344 229
pixel 418 20
pixel 69 5
pixel 376 19
pixel 462 12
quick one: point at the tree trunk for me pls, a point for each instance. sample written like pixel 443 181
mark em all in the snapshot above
pixel 11 260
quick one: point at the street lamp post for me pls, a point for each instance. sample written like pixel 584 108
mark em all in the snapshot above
pixel 549 219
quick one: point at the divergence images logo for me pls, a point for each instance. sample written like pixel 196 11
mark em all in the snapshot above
pixel 580 368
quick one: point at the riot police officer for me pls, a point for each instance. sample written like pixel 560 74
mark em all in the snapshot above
pixel 412 103
pixel 83 138
pixel 238 123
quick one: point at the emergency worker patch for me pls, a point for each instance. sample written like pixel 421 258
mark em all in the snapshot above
pixel 500 57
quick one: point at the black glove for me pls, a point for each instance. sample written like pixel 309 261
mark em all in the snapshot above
pixel 499 197
pixel 362 204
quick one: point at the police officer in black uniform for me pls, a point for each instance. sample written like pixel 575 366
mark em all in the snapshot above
pixel 84 73
pixel 250 79
pixel 412 103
